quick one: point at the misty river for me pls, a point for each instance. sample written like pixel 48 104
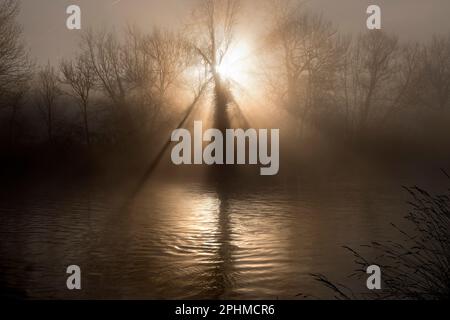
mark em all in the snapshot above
pixel 191 240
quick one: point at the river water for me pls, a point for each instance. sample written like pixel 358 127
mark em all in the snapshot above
pixel 190 240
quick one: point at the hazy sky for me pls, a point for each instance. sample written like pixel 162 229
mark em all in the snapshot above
pixel 48 39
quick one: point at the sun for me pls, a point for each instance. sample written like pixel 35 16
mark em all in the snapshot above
pixel 238 69
pixel 236 64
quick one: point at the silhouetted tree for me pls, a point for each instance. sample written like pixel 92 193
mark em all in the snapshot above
pixel 435 62
pixel 371 68
pixel 171 58
pixel 405 84
pixel 14 62
pixel 154 64
pixel 310 55
pixel 80 77
pixel 105 56
pixel 47 93
pixel 15 100
pixel 15 66
pixel 211 39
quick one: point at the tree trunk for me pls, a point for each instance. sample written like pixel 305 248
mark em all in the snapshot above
pixel 49 124
pixel 86 126
pixel 11 126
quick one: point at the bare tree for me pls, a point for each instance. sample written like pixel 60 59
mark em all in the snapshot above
pixel 16 101
pixel 405 85
pixel 435 65
pixel 15 66
pixel 376 52
pixel 155 62
pixel 14 62
pixel 370 78
pixel 137 62
pixel 212 38
pixel 136 72
pixel 171 58
pixel 80 76
pixel 309 54
pixel 105 56
pixel 47 91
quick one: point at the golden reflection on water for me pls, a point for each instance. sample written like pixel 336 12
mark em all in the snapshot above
pixel 233 244
pixel 186 241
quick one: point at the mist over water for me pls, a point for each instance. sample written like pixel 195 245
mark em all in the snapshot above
pixel 88 178
pixel 190 240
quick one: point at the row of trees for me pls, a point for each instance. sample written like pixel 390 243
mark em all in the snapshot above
pixel 369 81
pixel 135 76
pixel 123 83
pixel 132 78
pixel 15 66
